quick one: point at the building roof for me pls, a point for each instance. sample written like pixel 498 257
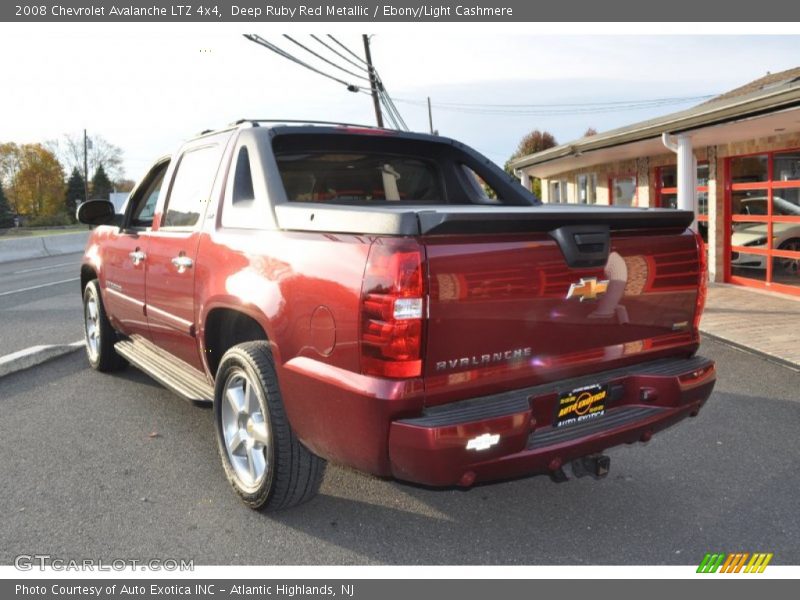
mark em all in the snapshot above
pixel 770 80
pixel 774 92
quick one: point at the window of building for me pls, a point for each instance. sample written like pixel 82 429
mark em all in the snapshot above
pixel 558 192
pixel 666 179
pixel 622 190
pixel 587 188
pixel 555 192
pixel 763 201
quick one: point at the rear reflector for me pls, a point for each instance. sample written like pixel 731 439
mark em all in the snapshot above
pixel 392 307
pixel 702 281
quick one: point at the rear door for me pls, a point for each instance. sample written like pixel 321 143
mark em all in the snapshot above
pixel 173 249
pixel 124 257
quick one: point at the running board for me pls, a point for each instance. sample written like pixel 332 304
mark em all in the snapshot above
pixel 169 371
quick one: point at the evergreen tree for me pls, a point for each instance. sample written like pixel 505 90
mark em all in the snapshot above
pixel 6 216
pixel 101 184
pixel 75 192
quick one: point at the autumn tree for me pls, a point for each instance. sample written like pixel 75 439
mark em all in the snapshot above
pixel 101 184
pixel 6 215
pixel 76 192
pixel 39 182
pixel 533 142
pixel 69 149
pixel 10 156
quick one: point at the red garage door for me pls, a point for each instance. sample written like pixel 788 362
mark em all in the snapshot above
pixel 763 220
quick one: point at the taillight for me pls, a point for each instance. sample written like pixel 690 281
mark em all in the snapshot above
pixel 392 309
pixel 702 280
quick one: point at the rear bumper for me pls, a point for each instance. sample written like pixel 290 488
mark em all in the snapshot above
pixel 518 426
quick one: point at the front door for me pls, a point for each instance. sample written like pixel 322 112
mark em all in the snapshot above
pixel 125 257
pixel 172 251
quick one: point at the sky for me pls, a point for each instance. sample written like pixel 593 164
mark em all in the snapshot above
pixel 146 88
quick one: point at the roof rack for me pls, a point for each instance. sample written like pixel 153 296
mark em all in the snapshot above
pixel 309 122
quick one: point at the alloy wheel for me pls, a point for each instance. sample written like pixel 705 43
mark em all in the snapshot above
pixel 244 427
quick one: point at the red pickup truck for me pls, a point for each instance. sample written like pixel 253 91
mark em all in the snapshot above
pixel 393 302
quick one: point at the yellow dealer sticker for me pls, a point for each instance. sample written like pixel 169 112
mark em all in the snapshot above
pixel 581 405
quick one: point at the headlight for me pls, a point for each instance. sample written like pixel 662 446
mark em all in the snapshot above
pixel 762 241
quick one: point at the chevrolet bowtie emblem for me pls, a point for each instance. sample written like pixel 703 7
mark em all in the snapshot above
pixel 588 288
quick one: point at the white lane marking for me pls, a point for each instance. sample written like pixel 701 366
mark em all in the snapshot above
pixel 36 287
pixel 69 264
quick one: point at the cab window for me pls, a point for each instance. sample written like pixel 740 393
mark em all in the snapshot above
pixel 145 201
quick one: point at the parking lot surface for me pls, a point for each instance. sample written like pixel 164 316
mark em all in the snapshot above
pixel 114 466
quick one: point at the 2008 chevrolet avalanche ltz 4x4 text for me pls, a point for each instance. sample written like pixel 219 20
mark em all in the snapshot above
pixel 396 303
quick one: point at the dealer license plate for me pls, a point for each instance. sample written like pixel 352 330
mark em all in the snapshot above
pixel 581 405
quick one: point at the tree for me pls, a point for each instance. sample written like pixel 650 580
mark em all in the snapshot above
pixel 535 141
pixel 69 149
pixel 6 215
pixel 39 182
pixel 75 192
pixel 124 185
pixel 10 156
pixel 590 132
pixel 101 184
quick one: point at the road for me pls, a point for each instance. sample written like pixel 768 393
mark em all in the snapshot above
pixel 40 302
pixel 116 467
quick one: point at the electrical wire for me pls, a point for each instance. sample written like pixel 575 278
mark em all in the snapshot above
pixel 346 49
pixel 339 54
pixel 562 104
pixel 280 52
pixel 322 58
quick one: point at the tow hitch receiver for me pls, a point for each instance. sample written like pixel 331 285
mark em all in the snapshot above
pixel 595 465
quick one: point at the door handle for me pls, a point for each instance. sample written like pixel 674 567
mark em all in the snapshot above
pixel 182 263
pixel 137 256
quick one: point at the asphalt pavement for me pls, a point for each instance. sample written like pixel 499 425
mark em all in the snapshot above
pixel 40 302
pixel 114 466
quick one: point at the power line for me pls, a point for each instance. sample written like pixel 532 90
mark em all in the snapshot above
pixel 339 54
pixel 280 52
pixel 553 110
pixel 322 58
pixel 562 104
pixel 346 49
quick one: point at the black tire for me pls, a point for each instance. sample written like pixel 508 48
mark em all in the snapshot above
pixel 292 474
pixel 101 355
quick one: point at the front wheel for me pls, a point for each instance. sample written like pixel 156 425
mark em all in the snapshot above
pixel 100 337
pixel 264 461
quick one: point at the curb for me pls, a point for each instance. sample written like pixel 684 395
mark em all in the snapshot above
pixel 26 248
pixel 35 355
pixel 750 350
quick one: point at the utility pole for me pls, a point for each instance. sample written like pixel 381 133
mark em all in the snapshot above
pixel 373 82
pixel 430 115
pixel 85 167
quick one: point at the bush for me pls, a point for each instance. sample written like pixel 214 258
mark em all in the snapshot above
pixel 56 220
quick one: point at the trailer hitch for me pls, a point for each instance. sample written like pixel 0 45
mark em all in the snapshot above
pixel 594 465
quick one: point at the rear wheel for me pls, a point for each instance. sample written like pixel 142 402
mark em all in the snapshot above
pixel 264 461
pixel 99 335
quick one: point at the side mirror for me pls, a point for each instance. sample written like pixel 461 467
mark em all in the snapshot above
pixel 98 212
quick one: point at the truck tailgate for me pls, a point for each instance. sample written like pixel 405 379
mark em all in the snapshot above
pixel 500 317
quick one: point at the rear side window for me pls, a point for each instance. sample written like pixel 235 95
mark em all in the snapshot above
pixel 359 177
pixel 191 187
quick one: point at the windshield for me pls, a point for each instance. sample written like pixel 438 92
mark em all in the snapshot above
pixel 359 177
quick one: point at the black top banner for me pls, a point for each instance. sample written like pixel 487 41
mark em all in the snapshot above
pixel 264 11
